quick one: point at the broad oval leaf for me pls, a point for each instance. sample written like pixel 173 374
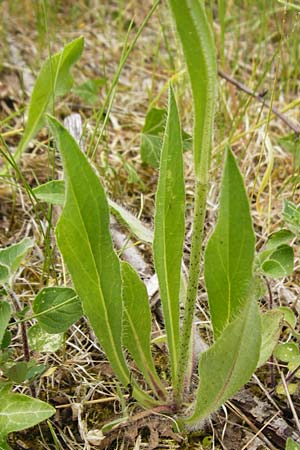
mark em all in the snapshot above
pixel 229 363
pixel 5 314
pixel 41 341
pixel 286 352
pixel 57 308
pixel 230 250
pixel 169 228
pixel 137 326
pixel 292 445
pixel 18 411
pixel 85 242
pixel 12 256
pixel 53 80
pixel 280 263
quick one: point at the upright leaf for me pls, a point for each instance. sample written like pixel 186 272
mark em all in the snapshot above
pixel 229 253
pixel 12 256
pixel 18 412
pixel 53 80
pixel 137 326
pixel 169 228
pixel 5 314
pixel 200 54
pixel 85 242
pixel 229 363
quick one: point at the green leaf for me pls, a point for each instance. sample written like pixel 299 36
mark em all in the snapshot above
pixel 229 363
pixel 137 326
pixel 53 192
pixel 291 144
pixel 23 370
pixel 291 214
pixel 85 242
pixel 134 225
pixel 288 315
pixel 152 136
pixel 59 307
pixel 271 323
pixel 291 445
pixel 89 90
pixel 279 263
pixel 229 253
pixel 286 352
pixel 53 80
pixel 169 228
pixel 5 315
pixel 200 54
pixel 18 411
pixel 12 256
pixel 278 238
pixel 41 341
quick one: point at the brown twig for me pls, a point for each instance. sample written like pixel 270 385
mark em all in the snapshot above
pixel 261 98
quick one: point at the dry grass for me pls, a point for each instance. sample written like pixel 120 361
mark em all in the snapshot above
pixel 261 50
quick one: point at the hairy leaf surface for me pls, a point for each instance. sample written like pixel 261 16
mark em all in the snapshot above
pixel 137 326
pixel 53 80
pixel 85 242
pixel 230 250
pixel 200 54
pixel 169 228
pixel 229 363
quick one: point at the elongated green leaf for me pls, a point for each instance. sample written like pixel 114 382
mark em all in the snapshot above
pixel 133 224
pixel 53 192
pixel 200 54
pixel 229 363
pixel 137 326
pixel 57 308
pixel 230 250
pixel 5 314
pixel 18 411
pixel 169 228
pixel 85 242
pixel 12 256
pixel 53 80
pixel 270 327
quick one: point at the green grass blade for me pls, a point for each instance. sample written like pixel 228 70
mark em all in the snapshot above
pixel 53 80
pixel 229 363
pixel 137 326
pixel 169 228
pixel 85 242
pixel 230 250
